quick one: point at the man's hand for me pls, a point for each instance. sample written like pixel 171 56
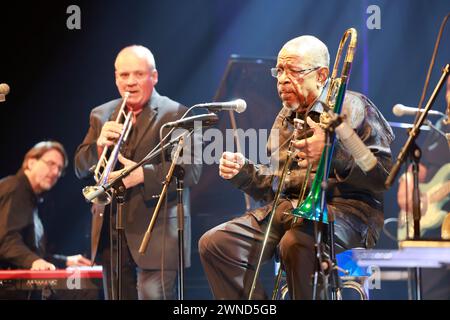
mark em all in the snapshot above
pixel 111 131
pixel 77 260
pixel 310 148
pixel 134 178
pixel 41 264
pixel 230 164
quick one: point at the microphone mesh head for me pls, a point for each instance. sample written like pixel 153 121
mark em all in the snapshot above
pixel 241 105
pixel 397 110
pixel 4 88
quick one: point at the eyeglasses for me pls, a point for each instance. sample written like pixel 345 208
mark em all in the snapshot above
pixel 52 165
pixel 277 72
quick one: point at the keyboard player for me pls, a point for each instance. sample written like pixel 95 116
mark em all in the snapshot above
pixel 22 241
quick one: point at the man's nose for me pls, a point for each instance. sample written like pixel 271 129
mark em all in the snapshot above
pixel 283 78
pixel 56 171
pixel 131 80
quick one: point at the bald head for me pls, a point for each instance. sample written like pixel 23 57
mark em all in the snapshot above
pixel 302 71
pixel 136 74
pixel 140 52
pixel 310 49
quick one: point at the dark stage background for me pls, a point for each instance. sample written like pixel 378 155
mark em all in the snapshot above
pixel 58 75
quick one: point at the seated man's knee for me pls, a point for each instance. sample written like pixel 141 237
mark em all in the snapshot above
pixel 293 243
pixel 209 240
pixel 286 245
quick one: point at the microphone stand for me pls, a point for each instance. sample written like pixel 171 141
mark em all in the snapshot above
pixel 145 241
pixel 332 263
pixel 414 132
pixel 119 194
pixel 179 174
pixel 412 151
pixel 332 279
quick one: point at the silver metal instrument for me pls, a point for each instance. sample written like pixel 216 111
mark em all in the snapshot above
pixel 106 164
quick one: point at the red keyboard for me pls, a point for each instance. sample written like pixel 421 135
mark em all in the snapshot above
pixel 64 279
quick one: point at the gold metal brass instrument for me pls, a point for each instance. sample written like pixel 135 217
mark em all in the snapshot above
pixel 446 121
pixel 106 164
pixel 311 208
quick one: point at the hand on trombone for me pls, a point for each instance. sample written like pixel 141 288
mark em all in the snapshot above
pixel 310 148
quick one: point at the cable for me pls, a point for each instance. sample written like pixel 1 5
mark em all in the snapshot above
pixel 386 232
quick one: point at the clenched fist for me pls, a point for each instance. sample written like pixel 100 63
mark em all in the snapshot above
pixel 230 164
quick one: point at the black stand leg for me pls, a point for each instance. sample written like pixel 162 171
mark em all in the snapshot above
pixel 120 228
pixel 112 258
pixel 319 270
pixel 179 174
pixel 415 154
pixel 335 281
pixel 418 282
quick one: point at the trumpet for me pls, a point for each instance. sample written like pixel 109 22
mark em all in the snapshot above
pixel 106 164
pixel 313 207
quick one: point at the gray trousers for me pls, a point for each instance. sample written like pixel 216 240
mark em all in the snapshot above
pixel 138 283
pixel 230 252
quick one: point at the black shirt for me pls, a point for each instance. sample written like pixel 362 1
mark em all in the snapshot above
pixel 21 230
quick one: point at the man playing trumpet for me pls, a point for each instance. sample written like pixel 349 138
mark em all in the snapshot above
pixel 151 275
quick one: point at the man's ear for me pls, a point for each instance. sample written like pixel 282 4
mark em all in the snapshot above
pixel 31 163
pixel 323 75
pixel 154 77
pixel 116 79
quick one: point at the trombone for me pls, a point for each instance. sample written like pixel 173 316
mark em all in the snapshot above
pixel 106 164
pixel 314 208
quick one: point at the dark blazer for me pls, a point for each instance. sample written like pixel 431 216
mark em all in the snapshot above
pixel 141 199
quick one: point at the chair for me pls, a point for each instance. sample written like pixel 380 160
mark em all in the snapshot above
pixel 351 275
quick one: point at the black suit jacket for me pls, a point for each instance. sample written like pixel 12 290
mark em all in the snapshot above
pixel 141 199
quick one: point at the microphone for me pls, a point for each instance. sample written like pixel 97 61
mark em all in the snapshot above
pixel 238 105
pixel 189 122
pixel 4 90
pixel 364 158
pixel 402 110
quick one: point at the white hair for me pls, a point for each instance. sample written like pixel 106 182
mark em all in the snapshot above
pixel 314 51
